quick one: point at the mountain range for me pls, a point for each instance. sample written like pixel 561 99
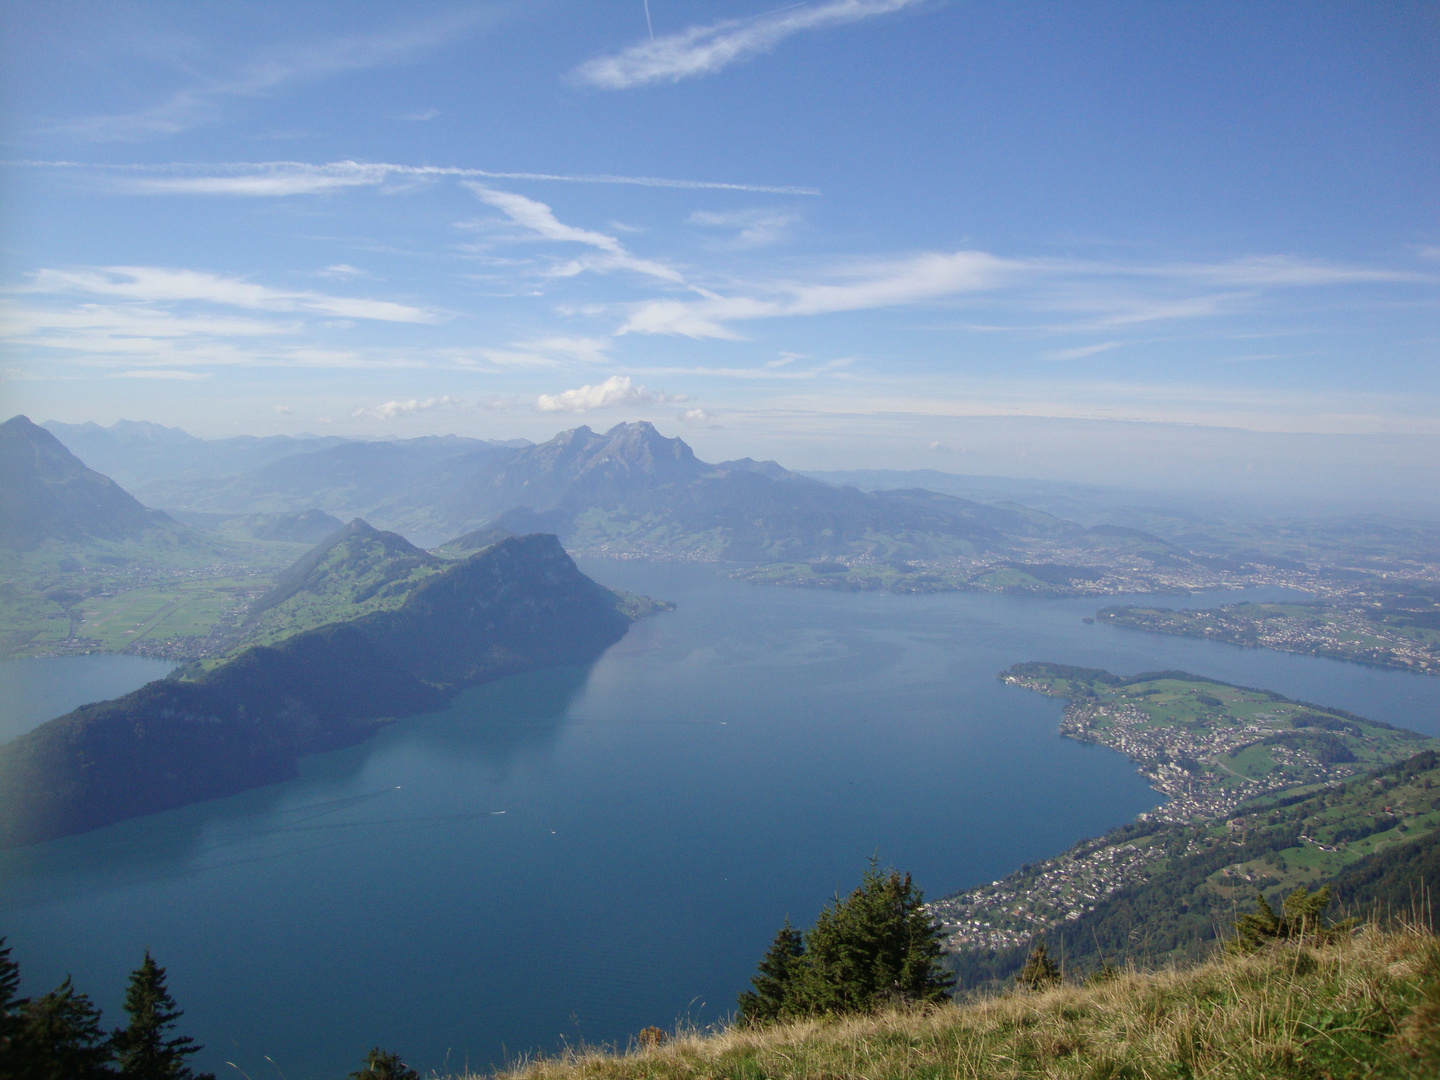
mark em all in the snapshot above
pixel 629 489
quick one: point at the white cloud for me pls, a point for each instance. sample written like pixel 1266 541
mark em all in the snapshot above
pixel 1279 270
pixel 133 320
pixel 705 50
pixel 615 391
pixel 696 416
pixel 391 409
pixel 157 284
pixel 547 352
pixel 861 287
pixel 539 218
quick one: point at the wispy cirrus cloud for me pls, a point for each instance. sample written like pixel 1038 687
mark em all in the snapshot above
pixel 203 100
pixel 1082 351
pixel 705 50
pixel 541 220
pixel 556 351
pixel 1105 297
pixel 279 179
pixel 858 287
pixel 152 284
pixel 752 228
pixel 165 373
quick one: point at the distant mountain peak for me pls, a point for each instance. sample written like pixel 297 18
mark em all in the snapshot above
pixel 47 493
pixel 639 443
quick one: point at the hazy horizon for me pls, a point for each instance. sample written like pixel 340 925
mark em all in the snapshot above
pixel 848 233
pixel 1222 468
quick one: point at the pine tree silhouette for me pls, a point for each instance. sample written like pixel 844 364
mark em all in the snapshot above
pixel 12 1007
pixel 62 1038
pixel 142 1048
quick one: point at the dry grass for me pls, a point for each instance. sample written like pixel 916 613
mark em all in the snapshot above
pixel 1367 1006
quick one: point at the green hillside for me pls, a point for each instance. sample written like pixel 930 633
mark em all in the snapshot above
pixel 84 567
pixel 1264 794
pixel 357 571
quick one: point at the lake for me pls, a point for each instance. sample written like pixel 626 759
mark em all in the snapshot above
pixel 573 855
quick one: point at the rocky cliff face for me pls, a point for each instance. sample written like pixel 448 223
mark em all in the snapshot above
pixel 517 606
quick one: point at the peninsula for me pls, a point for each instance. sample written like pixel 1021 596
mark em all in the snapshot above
pixel 1261 792
pixel 517 605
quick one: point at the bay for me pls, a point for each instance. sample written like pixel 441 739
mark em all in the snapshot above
pixel 573 855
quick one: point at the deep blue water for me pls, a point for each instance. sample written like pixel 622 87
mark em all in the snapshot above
pixel 574 855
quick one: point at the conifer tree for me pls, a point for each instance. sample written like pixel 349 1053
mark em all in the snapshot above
pixel 1039 971
pixel 876 947
pixel 383 1065
pixel 1299 916
pixel 779 969
pixel 62 1038
pixel 12 1019
pixel 11 1003
pixel 142 1048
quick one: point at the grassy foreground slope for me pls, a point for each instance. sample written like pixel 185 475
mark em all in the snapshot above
pixel 1368 1005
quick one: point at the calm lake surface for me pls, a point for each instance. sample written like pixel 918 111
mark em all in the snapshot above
pixel 574 855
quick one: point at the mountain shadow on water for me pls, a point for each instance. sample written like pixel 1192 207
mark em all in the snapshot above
pixel 516 606
pixel 491 728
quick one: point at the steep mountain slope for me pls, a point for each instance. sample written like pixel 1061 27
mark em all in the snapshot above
pixel 516 606
pixel 47 493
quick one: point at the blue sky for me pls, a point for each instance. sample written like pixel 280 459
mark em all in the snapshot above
pixel 835 232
